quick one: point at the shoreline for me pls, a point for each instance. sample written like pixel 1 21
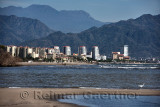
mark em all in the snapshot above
pixel 51 63
pixel 33 97
pixel 68 63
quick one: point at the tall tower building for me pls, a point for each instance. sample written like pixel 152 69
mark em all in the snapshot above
pixel 67 50
pixel 82 50
pixel 13 50
pixel 95 53
pixel 125 50
pixel 56 49
pixel 24 52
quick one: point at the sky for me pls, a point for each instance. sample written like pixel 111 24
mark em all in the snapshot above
pixel 102 10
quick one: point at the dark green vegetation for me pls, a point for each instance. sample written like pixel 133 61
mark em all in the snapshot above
pixel 141 34
pixel 14 30
pixel 65 21
pixel 6 59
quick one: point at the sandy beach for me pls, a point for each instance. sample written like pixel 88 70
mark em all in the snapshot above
pixel 51 63
pixel 66 63
pixel 47 97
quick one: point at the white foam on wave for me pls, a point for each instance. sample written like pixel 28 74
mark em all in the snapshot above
pixel 130 67
pixel 138 67
pixel 107 66
pixel 90 88
pixel 14 87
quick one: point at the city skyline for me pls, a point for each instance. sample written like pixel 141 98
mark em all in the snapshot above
pixel 55 52
pixel 105 11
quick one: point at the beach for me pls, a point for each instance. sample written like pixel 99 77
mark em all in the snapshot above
pixel 71 63
pixel 47 97
pixel 51 63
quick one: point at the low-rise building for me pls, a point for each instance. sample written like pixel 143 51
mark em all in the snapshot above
pixel 120 56
pixel 115 55
pixel 51 56
pixel 103 57
pixel 126 58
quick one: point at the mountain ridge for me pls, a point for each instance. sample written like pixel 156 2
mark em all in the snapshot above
pixel 65 20
pixel 14 30
pixel 141 34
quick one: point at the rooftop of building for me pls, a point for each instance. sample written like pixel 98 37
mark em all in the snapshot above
pixel 120 55
pixel 126 57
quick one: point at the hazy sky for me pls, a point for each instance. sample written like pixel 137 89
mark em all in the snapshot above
pixel 103 10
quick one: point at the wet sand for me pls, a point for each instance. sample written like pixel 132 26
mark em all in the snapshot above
pixel 47 97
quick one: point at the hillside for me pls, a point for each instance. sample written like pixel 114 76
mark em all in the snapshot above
pixel 141 34
pixel 65 21
pixel 14 30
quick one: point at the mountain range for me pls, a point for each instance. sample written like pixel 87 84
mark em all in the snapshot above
pixel 14 30
pixel 66 20
pixel 141 34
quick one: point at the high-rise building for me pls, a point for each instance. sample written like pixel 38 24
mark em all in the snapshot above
pixel 42 53
pixel 95 53
pixel 57 49
pixel 8 48
pixel 18 51
pixel 24 52
pixel 82 50
pixel 36 50
pixel 125 50
pixel 13 50
pixel 67 50
pixel 50 50
pixel 29 50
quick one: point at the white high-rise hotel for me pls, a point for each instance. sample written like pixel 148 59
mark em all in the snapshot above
pixel 67 50
pixel 125 50
pixel 56 49
pixel 82 50
pixel 95 53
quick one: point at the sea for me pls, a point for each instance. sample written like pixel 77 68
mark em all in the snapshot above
pixel 110 76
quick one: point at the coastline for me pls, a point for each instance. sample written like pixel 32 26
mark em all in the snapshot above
pixel 68 63
pixel 51 63
pixel 33 97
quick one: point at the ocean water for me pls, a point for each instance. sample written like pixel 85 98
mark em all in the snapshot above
pixel 124 76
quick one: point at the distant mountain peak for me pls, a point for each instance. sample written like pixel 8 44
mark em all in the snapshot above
pixel 66 20
pixel 41 7
pixel 145 16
